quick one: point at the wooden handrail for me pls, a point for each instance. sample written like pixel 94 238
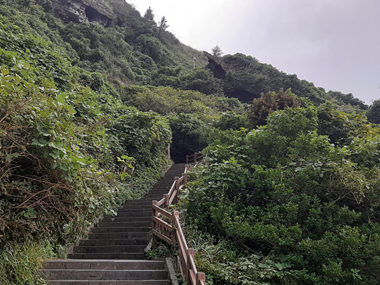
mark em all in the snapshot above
pixel 194 158
pixel 172 233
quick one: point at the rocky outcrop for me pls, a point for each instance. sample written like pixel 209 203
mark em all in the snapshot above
pixel 215 66
pixel 82 11
pixel 232 87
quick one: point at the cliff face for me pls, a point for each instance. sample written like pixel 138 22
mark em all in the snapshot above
pixel 83 11
pixel 215 66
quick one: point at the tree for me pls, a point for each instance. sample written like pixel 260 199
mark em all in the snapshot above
pixel 162 25
pixel 269 103
pixel 217 51
pixel 373 113
pixel 149 14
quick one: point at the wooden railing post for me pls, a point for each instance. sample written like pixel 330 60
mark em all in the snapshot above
pixel 176 183
pixel 175 216
pixel 201 277
pixel 190 254
pixel 184 178
pixel 154 203
pixel 176 188
pixel 167 201
pixel 155 214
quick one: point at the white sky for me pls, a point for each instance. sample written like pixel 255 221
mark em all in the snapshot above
pixel 333 43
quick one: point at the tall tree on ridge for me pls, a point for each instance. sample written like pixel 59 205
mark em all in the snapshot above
pixel 149 14
pixel 162 25
pixel 217 51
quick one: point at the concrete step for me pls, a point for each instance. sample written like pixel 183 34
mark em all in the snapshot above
pixel 108 282
pixel 117 219
pixel 99 274
pixel 134 213
pixel 128 224
pixel 144 206
pixel 109 248
pixel 156 196
pixel 106 272
pixel 99 242
pixel 136 202
pixel 123 255
pixel 105 264
pixel 122 229
pixel 119 235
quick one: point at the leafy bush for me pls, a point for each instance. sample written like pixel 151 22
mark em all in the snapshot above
pixel 269 103
pixel 288 194
pixel 66 144
pixel 21 263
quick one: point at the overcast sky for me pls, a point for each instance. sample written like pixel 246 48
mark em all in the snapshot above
pixel 333 43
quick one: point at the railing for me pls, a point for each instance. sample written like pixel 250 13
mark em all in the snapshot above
pixel 167 227
pixel 194 158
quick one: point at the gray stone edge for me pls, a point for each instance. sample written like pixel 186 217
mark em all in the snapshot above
pixel 172 275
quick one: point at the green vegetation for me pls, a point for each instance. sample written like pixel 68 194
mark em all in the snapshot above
pixel 87 111
pixel 286 198
pixel 66 149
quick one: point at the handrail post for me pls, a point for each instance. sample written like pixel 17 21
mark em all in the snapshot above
pixel 155 214
pixel 177 186
pixel 201 277
pixel 154 203
pixel 184 178
pixel 190 254
pixel 176 183
pixel 175 200
pixel 167 199
pixel 169 152
pixel 175 217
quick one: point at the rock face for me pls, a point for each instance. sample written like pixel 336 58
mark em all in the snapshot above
pixel 215 66
pixel 233 89
pixel 82 11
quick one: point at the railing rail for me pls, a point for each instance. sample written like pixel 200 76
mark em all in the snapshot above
pixel 167 227
pixel 194 158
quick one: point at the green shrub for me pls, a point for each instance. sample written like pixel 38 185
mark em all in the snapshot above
pixel 289 195
pixel 21 263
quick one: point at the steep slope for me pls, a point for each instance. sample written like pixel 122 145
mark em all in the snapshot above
pixel 111 37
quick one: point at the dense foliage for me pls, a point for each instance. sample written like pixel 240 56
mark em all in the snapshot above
pixel 269 103
pixel 289 195
pixel 291 202
pixel 191 114
pixel 67 152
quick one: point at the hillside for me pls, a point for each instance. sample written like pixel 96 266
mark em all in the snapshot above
pixel 244 77
pixel 92 94
pixel 111 37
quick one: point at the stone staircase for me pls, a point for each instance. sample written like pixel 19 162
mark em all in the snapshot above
pixel 114 252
